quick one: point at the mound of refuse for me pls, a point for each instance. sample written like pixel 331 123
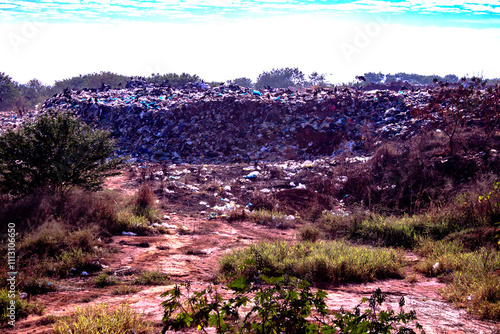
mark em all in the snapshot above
pixel 199 124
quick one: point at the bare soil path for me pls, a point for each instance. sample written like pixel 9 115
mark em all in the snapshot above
pixel 194 258
pixel 193 254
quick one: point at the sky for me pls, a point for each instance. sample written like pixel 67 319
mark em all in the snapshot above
pixel 220 40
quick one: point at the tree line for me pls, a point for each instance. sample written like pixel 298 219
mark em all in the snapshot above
pixel 23 97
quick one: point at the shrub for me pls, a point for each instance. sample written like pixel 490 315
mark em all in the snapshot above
pixel 33 285
pixel 277 305
pixel 56 248
pixel 101 319
pixel 144 203
pixel 127 221
pixel 76 261
pixel 57 152
pixel 310 233
pixel 124 290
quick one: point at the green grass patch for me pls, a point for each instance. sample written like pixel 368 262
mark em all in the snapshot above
pixel 331 261
pixel 271 218
pixel 152 277
pixel 473 276
pixel 406 232
pixel 124 290
pixel 55 248
pixel 102 319
pixel 104 280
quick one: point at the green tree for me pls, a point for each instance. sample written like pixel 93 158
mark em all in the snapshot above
pixel 280 78
pixel 373 77
pixel 56 152
pixel 244 82
pixel 9 92
pixel 94 80
pixel 316 79
pixel 173 79
pixel 31 94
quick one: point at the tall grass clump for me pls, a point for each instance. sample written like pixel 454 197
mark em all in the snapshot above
pixel 271 218
pixel 102 319
pixel 473 276
pixel 152 277
pixel 57 249
pixel 144 203
pixel 22 308
pixel 331 261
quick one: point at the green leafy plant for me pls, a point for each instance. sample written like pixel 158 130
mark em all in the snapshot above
pixel 385 322
pixel 57 152
pixel 276 305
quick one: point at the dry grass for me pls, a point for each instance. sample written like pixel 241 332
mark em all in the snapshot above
pixel 102 319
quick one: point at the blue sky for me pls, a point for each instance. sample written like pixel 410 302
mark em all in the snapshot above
pixel 224 39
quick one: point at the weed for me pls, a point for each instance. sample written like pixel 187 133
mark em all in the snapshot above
pixel 277 305
pixel 21 307
pixel 271 218
pixel 332 261
pixel 144 203
pixel 75 261
pixel 237 215
pixel 153 277
pixel 412 278
pixel 34 285
pixel 310 233
pixel 472 277
pixel 124 290
pixel 104 280
pixel 101 319
pixel 129 222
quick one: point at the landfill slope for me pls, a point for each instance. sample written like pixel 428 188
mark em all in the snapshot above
pixel 230 124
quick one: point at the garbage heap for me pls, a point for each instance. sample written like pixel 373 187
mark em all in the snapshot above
pixel 229 123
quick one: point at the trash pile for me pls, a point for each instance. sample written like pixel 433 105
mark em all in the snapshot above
pixel 12 120
pixel 229 123
pixel 214 191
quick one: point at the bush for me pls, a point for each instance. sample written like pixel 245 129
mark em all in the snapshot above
pixel 57 152
pixel 101 319
pixel 277 305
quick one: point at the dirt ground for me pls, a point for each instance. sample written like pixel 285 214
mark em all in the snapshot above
pixel 191 251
